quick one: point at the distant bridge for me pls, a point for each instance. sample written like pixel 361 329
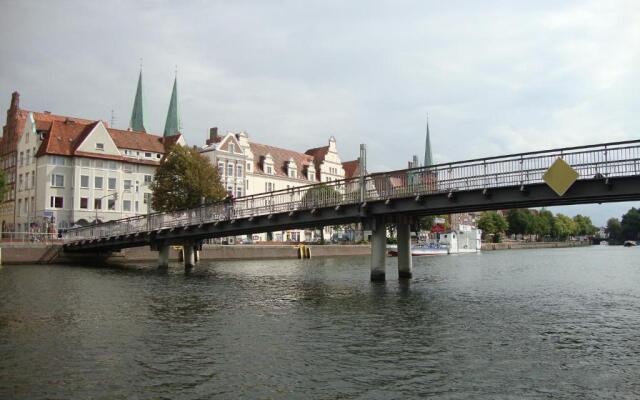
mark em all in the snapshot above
pixel 605 173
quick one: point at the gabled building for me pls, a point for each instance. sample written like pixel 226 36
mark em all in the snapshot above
pixel 67 171
pixel 247 168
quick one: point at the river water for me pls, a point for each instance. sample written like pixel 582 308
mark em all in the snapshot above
pixel 553 323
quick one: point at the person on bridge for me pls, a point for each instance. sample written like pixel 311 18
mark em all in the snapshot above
pixel 228 205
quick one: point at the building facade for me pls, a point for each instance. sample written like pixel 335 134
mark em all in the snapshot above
pixel 84 173
pixel 65 171
pixel 247 168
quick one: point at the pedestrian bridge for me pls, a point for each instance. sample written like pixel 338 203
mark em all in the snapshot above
pixel 604 173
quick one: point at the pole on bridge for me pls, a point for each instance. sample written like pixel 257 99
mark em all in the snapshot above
pixel 362 161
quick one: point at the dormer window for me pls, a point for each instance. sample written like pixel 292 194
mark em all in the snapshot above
pixel 292 169
pixel 267 165
pixel 100 146
pixel 232 148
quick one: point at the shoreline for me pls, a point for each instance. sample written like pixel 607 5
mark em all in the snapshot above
pixel 34 253
pixel 532 245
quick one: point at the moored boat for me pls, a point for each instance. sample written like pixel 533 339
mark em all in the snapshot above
pixel 425 249
pixel 630 243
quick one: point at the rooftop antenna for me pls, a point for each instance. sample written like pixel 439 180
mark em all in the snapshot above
pixel 113 118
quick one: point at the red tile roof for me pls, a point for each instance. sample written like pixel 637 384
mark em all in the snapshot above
pixel 136 140
pixel 318 154
pixel 280 159
pixel 350 168
pixel 64 138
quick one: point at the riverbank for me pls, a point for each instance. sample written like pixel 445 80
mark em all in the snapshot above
pixel 34 253
pixel 531 245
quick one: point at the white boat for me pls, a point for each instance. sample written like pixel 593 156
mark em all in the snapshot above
pixel 425 249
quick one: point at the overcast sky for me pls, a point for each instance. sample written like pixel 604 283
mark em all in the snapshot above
pixel 494 76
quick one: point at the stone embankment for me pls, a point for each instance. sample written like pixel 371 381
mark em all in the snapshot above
pixel 30 253
pixel 531 245
pixel 35 253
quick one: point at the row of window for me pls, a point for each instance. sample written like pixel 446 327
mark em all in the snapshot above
pixel 98 204
pixel 27 183
pixel 29 158
pixel 135 153
pixel 57 180
pixel 87 162
pixel 229 170
pixel 23 207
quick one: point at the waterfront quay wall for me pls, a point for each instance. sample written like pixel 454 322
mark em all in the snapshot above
pixel 531 245
pixel 33 253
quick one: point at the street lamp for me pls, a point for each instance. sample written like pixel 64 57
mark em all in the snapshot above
pixel 115 197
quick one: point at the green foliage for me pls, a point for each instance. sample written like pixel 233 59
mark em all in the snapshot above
pixel 183 178
pixel 319 196
pixel 563 227
pixel 631 224
pixel 584 227
pixel 614 229
pixel 492 223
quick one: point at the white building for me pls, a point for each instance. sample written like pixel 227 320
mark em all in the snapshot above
pixel 81 173
pixel 70 171
pixel 248 168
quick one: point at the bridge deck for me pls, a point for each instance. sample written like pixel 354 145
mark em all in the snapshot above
pixel 606 172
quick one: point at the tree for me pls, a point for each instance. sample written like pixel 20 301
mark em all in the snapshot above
pixel 183 178
pixel 519 221
pixel 546 220
pixel 584 227
pixel 320 196
pixel 492 223
pixel 614 229
pixel 631 224
pixel 563 227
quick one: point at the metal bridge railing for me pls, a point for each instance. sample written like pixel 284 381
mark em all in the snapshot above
pixel 603 160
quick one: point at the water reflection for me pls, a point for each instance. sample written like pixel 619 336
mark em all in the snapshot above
pixel 554 323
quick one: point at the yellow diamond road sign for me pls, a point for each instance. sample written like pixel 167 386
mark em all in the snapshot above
pixel 560 176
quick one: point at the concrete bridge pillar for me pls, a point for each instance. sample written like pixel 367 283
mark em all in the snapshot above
pixel 189 255
pixel 163 257
pixel 405 262
pixel 378 250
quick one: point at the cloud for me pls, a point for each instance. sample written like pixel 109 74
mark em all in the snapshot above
pixel 494 77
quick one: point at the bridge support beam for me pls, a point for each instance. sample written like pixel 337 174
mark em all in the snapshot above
pixel 163 256
pixel 189 255
pixel 378 250
pixel 405 262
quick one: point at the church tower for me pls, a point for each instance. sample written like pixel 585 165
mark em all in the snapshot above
pixel 172 125
pixel 138 122
pixel 428 157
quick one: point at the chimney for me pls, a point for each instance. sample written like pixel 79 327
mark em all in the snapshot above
pixel 213 135
pixel 15 101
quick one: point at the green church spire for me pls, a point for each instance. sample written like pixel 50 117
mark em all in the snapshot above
pixel 138 122
pixel 428 158
pixel 172 126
